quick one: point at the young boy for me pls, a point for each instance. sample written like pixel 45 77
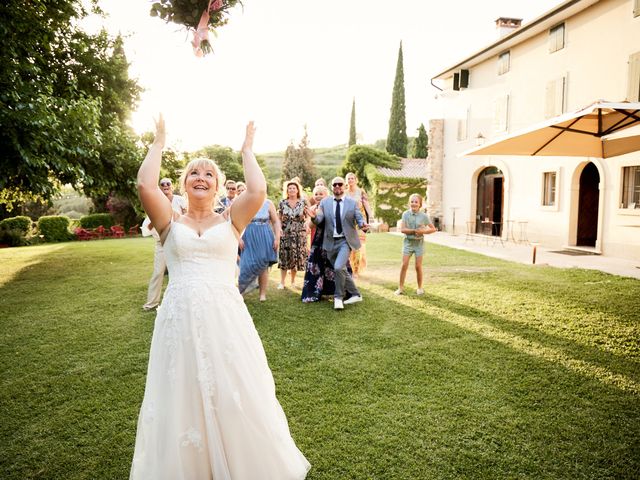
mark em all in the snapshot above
pixel 415 224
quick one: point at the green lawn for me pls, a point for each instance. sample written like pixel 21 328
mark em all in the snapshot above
pixel 500 371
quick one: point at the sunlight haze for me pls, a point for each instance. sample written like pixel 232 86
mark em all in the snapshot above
pixel 287 63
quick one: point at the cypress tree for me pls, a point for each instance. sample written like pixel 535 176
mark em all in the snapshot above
pixel 397 137
pixel 420 147
pixel 352 129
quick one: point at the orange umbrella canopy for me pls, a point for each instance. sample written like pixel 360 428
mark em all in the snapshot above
pixel 578 134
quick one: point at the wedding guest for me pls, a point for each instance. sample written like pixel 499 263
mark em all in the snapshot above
pixel 415 224
pixel 358 258
pixel 260 249
pixel 319 183
pixel 319 275
pixel 230 195
pixel 342 218
pixel 210 408
pixel 179 205
pixel 292 254
pixel 240 187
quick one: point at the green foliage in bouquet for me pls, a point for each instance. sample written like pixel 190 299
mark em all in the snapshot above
pixel 189 12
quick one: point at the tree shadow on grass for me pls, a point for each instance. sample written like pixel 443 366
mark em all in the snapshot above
pixel 614 369
pixel 390 389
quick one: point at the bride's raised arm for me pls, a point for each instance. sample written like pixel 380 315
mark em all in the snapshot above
pixel 154 202
pixel 247 205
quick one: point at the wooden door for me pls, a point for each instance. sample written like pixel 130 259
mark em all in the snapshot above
pixel 588 199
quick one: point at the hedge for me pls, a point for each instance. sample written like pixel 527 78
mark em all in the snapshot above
pixel 17 223
pixel 12 237
pixel 96 219
pixel 54 228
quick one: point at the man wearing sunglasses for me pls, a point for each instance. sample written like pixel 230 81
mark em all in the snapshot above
pixel 179 204
pixel 342 219
pixel 231 189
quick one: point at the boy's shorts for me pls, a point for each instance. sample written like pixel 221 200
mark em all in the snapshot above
pixel 415 247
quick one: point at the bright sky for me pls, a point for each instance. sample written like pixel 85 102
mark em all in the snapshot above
pixel 287 63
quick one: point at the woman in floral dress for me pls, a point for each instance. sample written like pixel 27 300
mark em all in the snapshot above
pixel 292 255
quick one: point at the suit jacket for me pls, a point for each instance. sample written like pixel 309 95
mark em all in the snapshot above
pixel 351 220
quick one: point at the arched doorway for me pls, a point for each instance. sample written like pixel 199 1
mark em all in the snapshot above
pixel 490 201
pixel 588 198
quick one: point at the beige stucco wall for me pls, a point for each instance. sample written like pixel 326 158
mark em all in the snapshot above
pixel 598 43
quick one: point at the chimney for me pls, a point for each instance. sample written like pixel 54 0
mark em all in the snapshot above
pixel 506 25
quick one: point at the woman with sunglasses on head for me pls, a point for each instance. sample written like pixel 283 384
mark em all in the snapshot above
pixel 358 258
pixel 292 254
pixel 179 205
pixel 210 408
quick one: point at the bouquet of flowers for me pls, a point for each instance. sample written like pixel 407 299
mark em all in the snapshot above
pixel 197 15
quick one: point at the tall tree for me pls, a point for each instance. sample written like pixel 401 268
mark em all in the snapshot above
pixel 298 162
pixel 397 136
pixel 352 129
pixel 65 97
pixel 420 146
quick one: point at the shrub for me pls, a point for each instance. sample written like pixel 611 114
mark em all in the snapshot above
pixel 12 237
pixel 54 228
pixel 122 211
pixel 96 219
pixel 23 224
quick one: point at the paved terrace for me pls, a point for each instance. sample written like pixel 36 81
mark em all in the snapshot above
pixel 523 253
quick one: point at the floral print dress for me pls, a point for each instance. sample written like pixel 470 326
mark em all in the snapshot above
pixel 293 241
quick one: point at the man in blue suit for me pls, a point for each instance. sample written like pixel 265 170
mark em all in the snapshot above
pixel 342 219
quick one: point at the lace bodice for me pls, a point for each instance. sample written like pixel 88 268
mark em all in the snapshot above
pixel 209 258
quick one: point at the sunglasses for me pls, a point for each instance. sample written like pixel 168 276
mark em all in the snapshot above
pixel 231 188
pixel 338 184
pixel 165 184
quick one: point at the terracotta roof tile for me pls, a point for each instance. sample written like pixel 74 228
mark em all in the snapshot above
pixel 411 168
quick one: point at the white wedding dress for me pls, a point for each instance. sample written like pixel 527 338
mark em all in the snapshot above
pixel 210 409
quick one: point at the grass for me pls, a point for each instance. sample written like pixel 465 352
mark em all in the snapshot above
pixel 500 371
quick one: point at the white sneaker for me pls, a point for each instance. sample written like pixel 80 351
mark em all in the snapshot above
pixel 280 286
pixel 354 299
pixel 337 304
pixel 420 291
pixel 399 292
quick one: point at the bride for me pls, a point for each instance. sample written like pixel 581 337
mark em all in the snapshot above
pixel 209 410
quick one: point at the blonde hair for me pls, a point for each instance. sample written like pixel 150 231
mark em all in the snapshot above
pixel 321 188
pixel 201 162
pixel 415 195
pixel 285 186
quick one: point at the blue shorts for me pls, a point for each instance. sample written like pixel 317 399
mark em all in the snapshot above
pixel 415 247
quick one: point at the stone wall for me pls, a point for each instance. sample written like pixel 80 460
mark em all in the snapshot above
pixel 434 171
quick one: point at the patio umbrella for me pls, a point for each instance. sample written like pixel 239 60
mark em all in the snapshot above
pixel 583 133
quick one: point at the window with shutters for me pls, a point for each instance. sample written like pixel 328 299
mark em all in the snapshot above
pixel 501 114
pixel 555 95
pixel 556 38
pixel 549 189
pixel 463 126
pixel 631 187
pixel 504 62
pixel 633 88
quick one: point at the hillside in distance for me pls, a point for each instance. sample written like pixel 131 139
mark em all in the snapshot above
pixel 327 161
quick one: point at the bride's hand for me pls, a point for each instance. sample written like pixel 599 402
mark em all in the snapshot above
pixel 161 134
pixel 248 138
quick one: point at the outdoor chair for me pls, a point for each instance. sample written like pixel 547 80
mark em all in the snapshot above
pixel 83 234
pixel 101 231
pixel 117 231
pixel 134 231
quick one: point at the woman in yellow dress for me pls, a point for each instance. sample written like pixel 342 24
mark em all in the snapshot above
pixel 358 258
